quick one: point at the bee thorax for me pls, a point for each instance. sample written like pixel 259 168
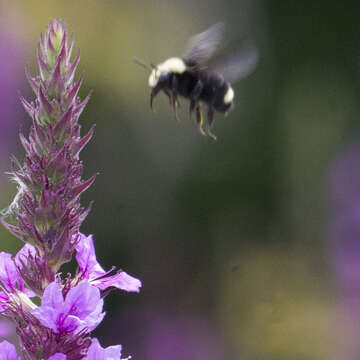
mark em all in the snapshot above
pixel 172 65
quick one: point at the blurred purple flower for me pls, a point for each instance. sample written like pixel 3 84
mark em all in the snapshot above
pixel 345 228
pixel 80 310
pixel 156 335
pixel 183 338
pixel 345 236
pixel 91 270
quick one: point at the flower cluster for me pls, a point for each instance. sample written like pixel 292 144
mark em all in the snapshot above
pixel 54 316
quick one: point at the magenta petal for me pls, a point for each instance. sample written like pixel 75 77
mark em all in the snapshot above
pixel 8 351
pixel 57 356
pixel 84 302
pixel 53 296
pixel 6 329
pixel 23 254
pixel 21 259
pixel 121 280
pixel 113 352
pixel 9 274
pixel 96 352
pixel 4 299
pixel 92 270
pixel 52 305
pixel 86 257
pixel 82 297
pixel 81 309
pixel 96 317
pixel 71 323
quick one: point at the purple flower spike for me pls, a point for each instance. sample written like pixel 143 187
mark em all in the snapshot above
pixel 91 270
pixel 8 351
pixel 96 352
pixel 46 215
pixel 46 212
pixel 81 310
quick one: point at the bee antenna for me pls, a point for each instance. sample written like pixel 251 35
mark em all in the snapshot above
pixel 142 64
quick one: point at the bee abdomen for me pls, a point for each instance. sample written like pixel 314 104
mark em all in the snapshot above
pixel 218 93
pixel 214 90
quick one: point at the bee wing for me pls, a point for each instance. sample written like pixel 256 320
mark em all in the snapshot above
pixel 236 66
pixel 202 46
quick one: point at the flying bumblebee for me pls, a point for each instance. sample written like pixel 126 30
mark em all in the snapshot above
pixel 202 77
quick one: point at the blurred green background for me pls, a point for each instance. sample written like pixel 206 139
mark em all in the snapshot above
pixel 235 233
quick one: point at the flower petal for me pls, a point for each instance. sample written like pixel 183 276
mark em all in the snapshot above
pixel 121 280
pixel 4 299
pixel 71 323
pixel 57 356
pixel 86 257
pixel 96 352
pixel 52 306
pixel 9 274
pixel 21 260
pixel 53 296
pixel 81 309
pixel 7 351
pixel 92 270
pixel 23 254
pixel 84 301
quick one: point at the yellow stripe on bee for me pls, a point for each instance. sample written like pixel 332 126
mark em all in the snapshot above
pixel 172 65
pixel 229 95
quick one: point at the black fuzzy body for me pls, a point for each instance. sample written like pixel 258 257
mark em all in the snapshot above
pixel 214 88
pixel 199 87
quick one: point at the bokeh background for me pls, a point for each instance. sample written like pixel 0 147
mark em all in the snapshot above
pixel 248 247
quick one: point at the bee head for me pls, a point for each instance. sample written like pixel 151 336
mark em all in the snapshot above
pixel 160 73
pixel 158 77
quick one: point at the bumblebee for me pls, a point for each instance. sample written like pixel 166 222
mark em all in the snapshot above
pixel 202 77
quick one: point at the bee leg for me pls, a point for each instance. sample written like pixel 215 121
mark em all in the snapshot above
pixel 175 105
pixel 192 107
pixel 154 92
pixel 194 96
pixel 199 119
pixel 168 93
pixel 210 120
pixel 175 101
